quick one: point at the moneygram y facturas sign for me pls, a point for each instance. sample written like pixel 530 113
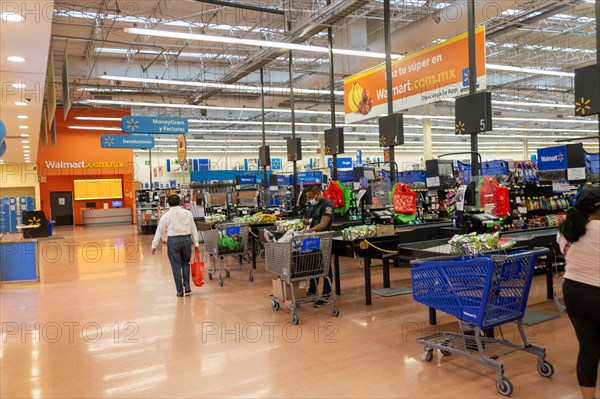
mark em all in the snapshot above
pixel 154 125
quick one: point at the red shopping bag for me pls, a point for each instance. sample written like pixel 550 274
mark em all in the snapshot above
pixel 335 194
pixel 405 199
pixel 494 198
pixel 197 267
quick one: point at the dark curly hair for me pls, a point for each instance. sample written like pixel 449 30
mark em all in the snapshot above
pixel 573 227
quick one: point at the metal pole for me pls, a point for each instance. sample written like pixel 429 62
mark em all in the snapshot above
pixel 150 162
pixel 472 80
pixel 388 78
pixel 334 171
pixel 597 49
pixel 293 116
pixel 264 137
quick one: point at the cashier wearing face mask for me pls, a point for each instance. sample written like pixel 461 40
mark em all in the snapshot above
pixel 320 218
pixel 320 213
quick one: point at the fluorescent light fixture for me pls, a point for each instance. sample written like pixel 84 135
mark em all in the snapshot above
pixel 234 87
pixel 20 103
pixel 11 17
pixel 26 147
pixel 533 71
pixel 528 104
pixel 15 58
pixel 26 151
pixel 24 135
pixel 22 117
pixel 23 127
pixel 25 141
pixel 115 129
pixel 252 42
pixel 19 85
pixel 207 107
pixel 97 118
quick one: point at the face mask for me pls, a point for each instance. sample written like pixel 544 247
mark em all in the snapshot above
pixel 313 201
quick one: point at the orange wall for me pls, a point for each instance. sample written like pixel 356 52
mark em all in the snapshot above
pixel 75 146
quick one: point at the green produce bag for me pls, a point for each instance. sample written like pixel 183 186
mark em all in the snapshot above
pixel 399 217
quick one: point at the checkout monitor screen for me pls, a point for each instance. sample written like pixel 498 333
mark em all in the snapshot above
pixel 369 174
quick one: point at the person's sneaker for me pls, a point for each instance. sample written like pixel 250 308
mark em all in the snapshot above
pixel 180 294
pixel 309 294
pixel 188 290
pixel 320 303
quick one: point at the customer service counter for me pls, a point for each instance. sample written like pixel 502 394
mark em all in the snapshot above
pixel 104 217
pixel 19 260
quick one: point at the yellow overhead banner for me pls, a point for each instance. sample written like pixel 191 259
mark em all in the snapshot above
pixel 437 72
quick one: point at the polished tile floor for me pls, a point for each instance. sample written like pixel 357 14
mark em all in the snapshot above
pixel 104 321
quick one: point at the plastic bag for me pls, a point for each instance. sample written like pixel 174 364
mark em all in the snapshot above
pixel 405 200
pixel 335 194
pixel 197 267
pixel 493 198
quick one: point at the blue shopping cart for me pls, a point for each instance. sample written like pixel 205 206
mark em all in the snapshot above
pixel 483 292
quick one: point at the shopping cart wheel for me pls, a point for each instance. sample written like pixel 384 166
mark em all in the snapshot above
pixel 210 276
pixel 504 386
pixel 443 351
pixel 250 277
pixel 295 319
pixel 220 282
pixel 275 304
pixel 227 274
pixel 428 355
pixel 546 369
pixel 335 311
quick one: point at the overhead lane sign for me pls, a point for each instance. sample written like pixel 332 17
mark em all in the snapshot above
pixel 154 125
pixel 126 141
pixel 435 73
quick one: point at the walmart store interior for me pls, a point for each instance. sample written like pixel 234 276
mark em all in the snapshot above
pixel 108 107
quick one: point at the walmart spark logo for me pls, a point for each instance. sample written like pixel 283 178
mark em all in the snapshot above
pixel 327 150
pixel 459 128
pixel 382 142
pixel 109 141
pixel 34 220
pixel 132 124
pixel 582 106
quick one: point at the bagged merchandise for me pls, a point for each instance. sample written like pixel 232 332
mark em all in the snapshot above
pixel 197 268
pixel 216 218
pixel 229 243
pixel 405 200
pixel 285 225
pixel 473 243
pixel 493 198
pixel 335 194
pixel 354 232
pixel 257 218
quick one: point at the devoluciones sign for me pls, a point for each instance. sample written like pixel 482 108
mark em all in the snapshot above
pixel 126 141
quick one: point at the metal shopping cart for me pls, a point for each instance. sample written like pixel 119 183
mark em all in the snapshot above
pixel 226 240
pixel 482 292
pixel 304 257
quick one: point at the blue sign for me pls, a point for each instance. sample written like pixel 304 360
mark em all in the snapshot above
pixel 552 158
pixel 309 177
pixel 232 231
pixel 358 157
pixel 126 141
pixel 247 179
pixel 311 244
pixel 342 163
pixel 465 77
pixel 154 124
pixel 2 148
pixel 276 164
pixel 3 131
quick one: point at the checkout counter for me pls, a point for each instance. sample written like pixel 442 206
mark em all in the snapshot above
pixel 104 217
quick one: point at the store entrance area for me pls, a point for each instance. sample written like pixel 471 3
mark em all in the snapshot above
pixel 61 208
pixel 104 321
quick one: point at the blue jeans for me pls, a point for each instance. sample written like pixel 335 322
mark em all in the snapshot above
pixel 179 250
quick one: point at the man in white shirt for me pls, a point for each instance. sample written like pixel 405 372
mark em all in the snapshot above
pixel 179 228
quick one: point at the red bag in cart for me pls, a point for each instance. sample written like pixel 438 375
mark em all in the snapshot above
pixel 197 267
pixel 494 198
pixel 405 199
pixel 335 194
